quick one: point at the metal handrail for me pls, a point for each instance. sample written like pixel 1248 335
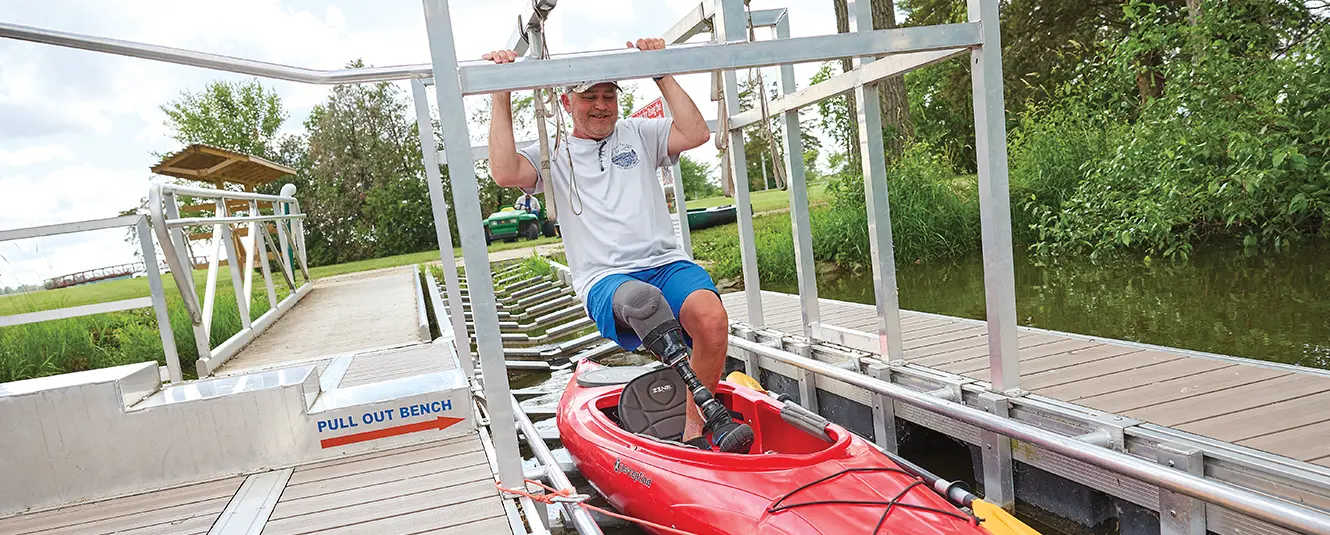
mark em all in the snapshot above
pixel 1265 508
pixel 209 193
pixel 157 300
pixel 212 61
pixel 167 222
pixel 187 221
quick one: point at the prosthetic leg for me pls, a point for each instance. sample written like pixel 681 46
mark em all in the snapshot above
pixel 642 307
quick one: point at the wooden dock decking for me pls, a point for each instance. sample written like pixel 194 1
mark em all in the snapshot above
pixel 1277 409
pixel 441 486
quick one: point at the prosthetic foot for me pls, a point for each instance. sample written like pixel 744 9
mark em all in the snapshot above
pixel 642 307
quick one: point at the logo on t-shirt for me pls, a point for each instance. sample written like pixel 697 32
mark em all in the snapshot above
pixel 624 156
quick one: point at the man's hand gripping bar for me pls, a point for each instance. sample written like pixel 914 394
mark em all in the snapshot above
pixel 642 307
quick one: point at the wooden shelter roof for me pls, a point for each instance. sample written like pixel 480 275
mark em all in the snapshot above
pixel 210 164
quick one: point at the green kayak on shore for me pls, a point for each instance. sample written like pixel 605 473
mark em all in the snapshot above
pixel 700 218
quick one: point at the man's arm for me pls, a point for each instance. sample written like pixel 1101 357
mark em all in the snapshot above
pixel 690 129
pixel 508 168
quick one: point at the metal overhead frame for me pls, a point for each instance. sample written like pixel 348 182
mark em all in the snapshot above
pixel 947 396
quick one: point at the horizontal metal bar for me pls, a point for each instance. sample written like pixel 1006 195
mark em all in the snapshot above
pixel 691 24
pixel 209 193
pixel 66 228
pixel 847 81
pixel 74 312
pixel 1242 501
pixel 767 18
pixel 180 56
pixel 228 220
pixel 695 21
pixel 483 77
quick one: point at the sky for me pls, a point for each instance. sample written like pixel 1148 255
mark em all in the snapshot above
pixel 79 129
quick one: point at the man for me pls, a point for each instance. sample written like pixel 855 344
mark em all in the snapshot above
pixel 616 227
pixel 527 203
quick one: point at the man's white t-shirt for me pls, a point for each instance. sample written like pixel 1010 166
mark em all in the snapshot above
pixel 610 205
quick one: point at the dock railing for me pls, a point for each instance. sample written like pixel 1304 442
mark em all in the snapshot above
pixel 285 218
pixel 156 299
pixel 878 54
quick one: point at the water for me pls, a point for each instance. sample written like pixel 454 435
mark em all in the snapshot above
pixel 1273 307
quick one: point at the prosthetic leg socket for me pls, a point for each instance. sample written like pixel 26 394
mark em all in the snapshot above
pixel 642 307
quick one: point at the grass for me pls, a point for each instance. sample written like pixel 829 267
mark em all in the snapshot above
pixel 768 200
pixel 416 258
pixel 105 340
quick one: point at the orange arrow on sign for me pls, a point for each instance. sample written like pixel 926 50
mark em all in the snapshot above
pixel 442 422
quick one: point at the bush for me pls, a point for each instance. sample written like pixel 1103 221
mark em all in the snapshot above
pixel 1235 147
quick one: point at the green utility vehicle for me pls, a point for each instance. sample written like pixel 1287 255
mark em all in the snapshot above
pixel 511 224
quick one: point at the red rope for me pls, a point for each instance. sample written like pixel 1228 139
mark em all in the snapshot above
pixel 554 495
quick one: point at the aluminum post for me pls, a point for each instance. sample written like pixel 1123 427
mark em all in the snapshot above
pixel 184 272
pixel 1180 514
pixel 879 208
pixel 233 265
pixel 799 218
pixel 999 477
pixel 261 250
pixel 466 204
pixel 884 411
pixel 731 27
pixel 990 135
pixel 159 302
pixel 680 203
pixel 442 231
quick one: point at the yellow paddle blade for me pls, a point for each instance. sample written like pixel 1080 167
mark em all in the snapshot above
pixel 742 379
pixel 998 521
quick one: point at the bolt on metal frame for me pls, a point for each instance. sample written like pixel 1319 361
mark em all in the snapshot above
pixel 156 299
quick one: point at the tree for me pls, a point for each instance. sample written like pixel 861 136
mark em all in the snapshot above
pixel 851 134
pixel 369 197
pixel 238 116
pixel 627 99
pixel 696 179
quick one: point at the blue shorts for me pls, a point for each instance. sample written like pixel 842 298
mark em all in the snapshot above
pixel 676 280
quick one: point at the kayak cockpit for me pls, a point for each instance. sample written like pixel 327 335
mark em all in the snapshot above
pixel 649 409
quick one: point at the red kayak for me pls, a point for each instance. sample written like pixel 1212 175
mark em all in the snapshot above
pixel 796 479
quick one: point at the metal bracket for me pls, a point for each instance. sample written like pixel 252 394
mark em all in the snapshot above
pixel 1101 437
pixel 947 393
pixel 999 483
pixel 749 360
pixel 807 379
pixel 884 410
pixel 1180 514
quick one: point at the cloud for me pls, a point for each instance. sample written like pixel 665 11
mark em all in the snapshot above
pixel 105 109
pixel 35 154
pixel 71 193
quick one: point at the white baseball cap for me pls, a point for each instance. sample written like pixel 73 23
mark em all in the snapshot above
pixel 582 87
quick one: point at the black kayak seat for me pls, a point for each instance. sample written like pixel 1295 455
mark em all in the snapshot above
pixel 654 404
